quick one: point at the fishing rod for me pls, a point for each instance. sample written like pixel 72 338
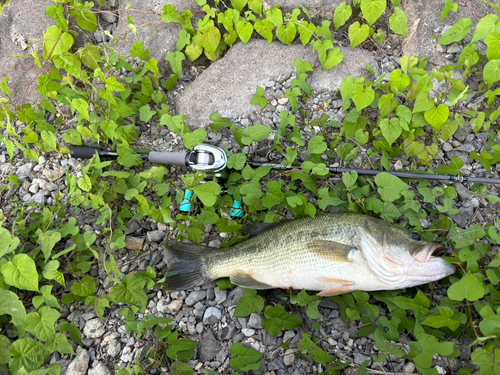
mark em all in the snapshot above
pixel 371 172
pixel 212 160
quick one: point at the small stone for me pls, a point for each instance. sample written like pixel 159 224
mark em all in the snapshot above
pixel 220 296
pixel 80 364
pixel 288 336
pixel 114 348
pixel 447 147
pixel 174 307
pixel 248 332
pixel 209 347
pixel 109 17
pixel 162 306
pixel 398 165
pixel 289 357
pixel 99 369
pixel 94 328
pixel 283 101
pixel 134 243
pixel 255 321
pixel 408 368
pixel 454 48
pixel 155 236
pixel 126 354
pixel 24 170
pixel 195 296
pixel 212 316
pixel 359 358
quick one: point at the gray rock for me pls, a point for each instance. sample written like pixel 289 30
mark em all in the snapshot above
pixel 222 87
pixel 127 354
pixel 359 358
pixel 220 296
pixel 289 357
pixel 99 369
pixel 454 48
pixel 248 332
pixel 108 16
pixel 155 236
pixel 40 197
pixel 212 316
pixel 195 296
pixel 114 348
pixel 209 347
pixel 423 20
pixel 319 9
pixel 255 321
pixel 94 328
pixel 18 25
pixel 24 170
pixel 79 364
pixel 234 296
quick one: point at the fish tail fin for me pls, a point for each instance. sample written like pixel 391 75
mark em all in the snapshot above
pixel 189 267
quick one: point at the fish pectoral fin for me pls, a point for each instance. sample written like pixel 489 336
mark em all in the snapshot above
pixel 344 286
pixel 245 279
pixel 331 250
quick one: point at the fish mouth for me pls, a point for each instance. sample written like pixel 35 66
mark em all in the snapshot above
pixel 425 253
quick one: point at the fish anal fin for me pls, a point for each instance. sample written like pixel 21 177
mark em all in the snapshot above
pixel 246 280
pixel 331 250
pixel 344 286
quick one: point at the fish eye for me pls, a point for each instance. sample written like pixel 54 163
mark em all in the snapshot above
pixel 415 237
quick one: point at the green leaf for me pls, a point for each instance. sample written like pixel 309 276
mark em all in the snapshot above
pixel 244 31
pixel 469 287
pixel 27 353
pixel 307 346
pixel 86 287
pixel 398 22
pixel 255 133
pixel 265 28
pixel 57 13
pixel 47 241
pixel 362 98
pixel 341 14
pixel 422 103
pixel 391 130
pixel 42 323
pixel 138 50
pixel 11 305
pixel 491 72
pixel 170 14
pixel 286 33
pixel 194 138
pixel 275 16
pixel 85 18
pixel 490 324
pixel 21 273
pixel 244 359
pixel 209 38
pixel 249 303
pixel 485 26
pixel 239 4
pixel 437 116
pixel 130 291
pixel 46 298
pixel 274 195
pixel 175 59
pixel 306 31
pixel 60 344
pixel 389 187
pixel 7 243
pixel 334 58
pixel 208 192
pixel 258 98
pixel 493 43
pixel 457 32
pixel 358 33
pixel 146 113
pixel 398 80
pixel 73 330
pixel 237 161
pixel 372 9
pixel 277 318
pixel 316 145
pixel 90 55
pixel 444 319
pixel 449 5
pixel 55 43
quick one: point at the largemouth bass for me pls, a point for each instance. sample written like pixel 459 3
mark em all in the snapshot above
pixel 332 254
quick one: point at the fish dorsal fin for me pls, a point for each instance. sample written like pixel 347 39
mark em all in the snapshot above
pixel 245 279
pixel 258 228
pixel 331 250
